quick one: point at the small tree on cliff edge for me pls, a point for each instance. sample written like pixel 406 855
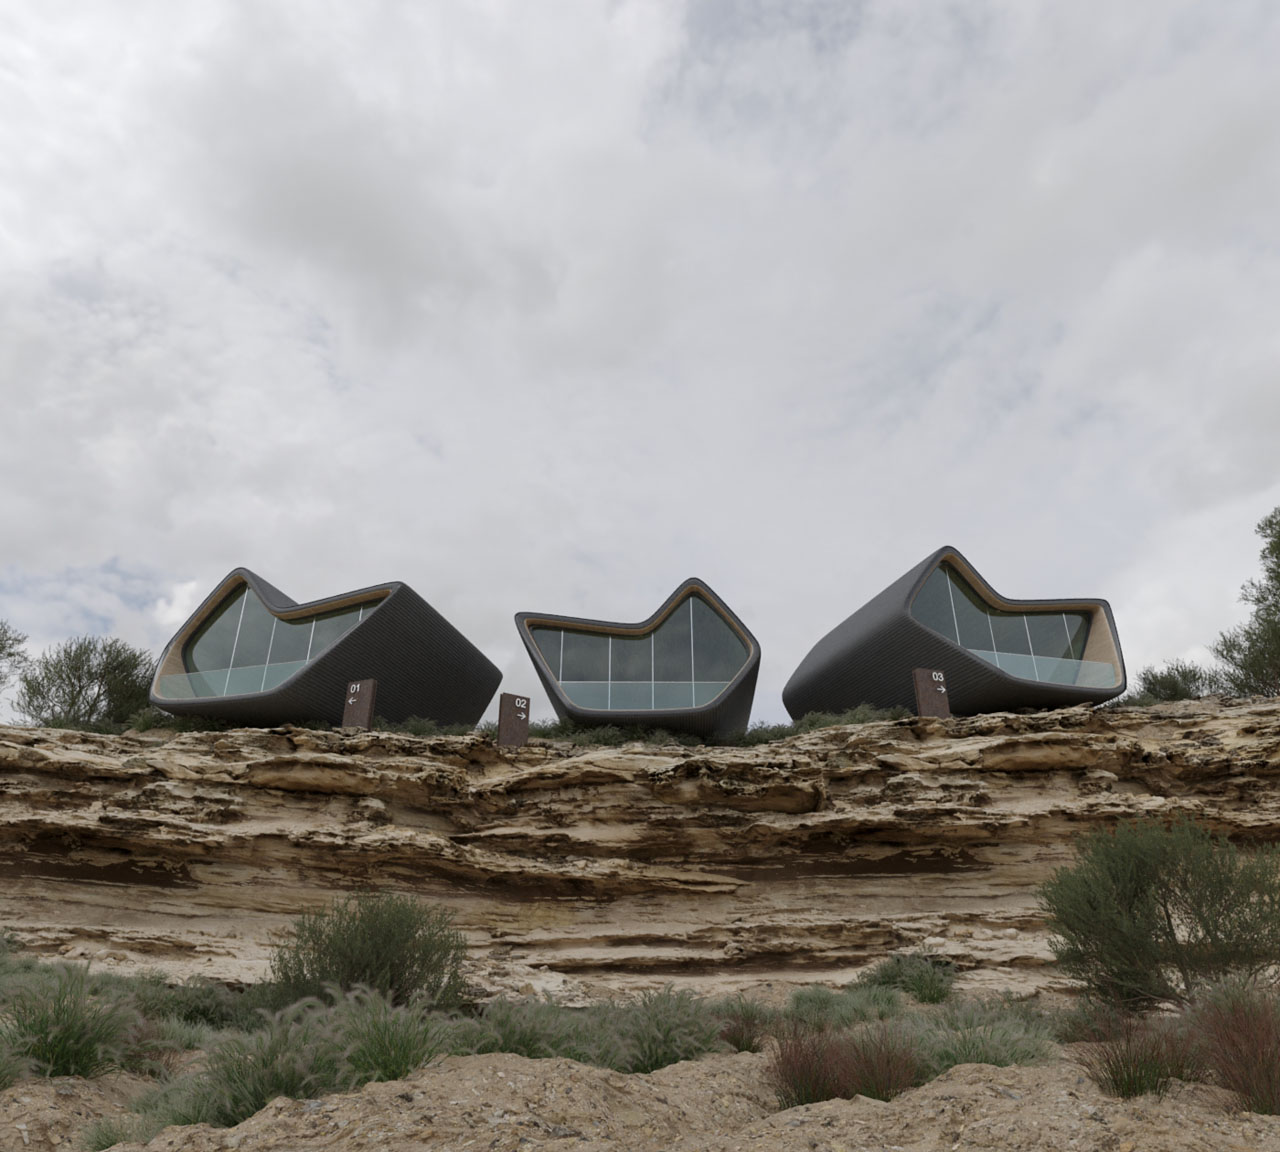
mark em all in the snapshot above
pixel 1249 654
pixel 12 658
pixel 85 682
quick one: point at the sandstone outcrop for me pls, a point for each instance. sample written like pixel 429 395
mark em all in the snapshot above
pixel 574 869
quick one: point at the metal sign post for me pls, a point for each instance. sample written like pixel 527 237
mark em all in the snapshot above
pixel 931 693
pixel 513 720
pixel 358 710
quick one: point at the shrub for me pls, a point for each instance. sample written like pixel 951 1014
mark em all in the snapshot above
pixel 420 726
pixel 1175 680
pixel 393 944
pixel 62 1031
pixel 877 1060
pixel 763 733
pixel 1239 1027
pixel 92 682
pixel 983 1032
pixel 1143 1058
pixel 1150 912
pixel 196 1001
pixel 926 977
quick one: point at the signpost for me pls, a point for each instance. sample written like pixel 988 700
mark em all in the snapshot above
pixel 931 693
pixel 358 710
pixel 513 720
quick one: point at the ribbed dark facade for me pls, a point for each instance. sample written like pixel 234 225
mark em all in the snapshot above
pixel 725 715
pixel 423 665
pixel 870 656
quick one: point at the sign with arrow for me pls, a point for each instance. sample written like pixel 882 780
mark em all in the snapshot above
pixel 513 720
pixel 931 692
pixel 357 712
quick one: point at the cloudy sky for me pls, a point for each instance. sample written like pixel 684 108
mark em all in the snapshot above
pixel 549 306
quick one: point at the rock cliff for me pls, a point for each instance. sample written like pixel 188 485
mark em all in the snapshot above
pixel 574 870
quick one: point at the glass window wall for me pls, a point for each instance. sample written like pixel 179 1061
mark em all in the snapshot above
pixel 1044 646
pixel 242 648
pixel 686 662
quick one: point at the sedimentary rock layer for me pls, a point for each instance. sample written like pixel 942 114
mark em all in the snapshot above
pixel 796 859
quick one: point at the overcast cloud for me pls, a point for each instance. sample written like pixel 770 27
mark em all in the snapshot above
pixel 549 306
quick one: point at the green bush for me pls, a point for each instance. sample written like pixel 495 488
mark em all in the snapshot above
pixel 819 1007
pixel 920 974
pixel 1152 912
pixel 983 1031
pixel 1175 680
pixel 393 944
pixel 60 1030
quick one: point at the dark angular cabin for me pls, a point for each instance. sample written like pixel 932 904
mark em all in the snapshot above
pixel 998 654
pixel 251 655
pixel 691 667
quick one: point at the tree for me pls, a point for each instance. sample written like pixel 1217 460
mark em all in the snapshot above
pixel 85 682
pixel 12 658
pixel 1249 654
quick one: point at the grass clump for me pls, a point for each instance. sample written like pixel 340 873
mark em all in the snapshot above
pixel 982 1031
pixel 820 1008
pixel 1239 1029
pixel 1143 1058
pixel 926 977
pixel 879 1060
pixel 393 944
pixel 665 1027
pixel 745 1024
pixel 58 1029
pixel 641 1035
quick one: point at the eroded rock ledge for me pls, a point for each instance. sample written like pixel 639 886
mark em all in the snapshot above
pixel 804 857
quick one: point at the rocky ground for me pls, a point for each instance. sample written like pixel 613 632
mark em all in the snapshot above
pixel 719 1104
pixel 588 872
